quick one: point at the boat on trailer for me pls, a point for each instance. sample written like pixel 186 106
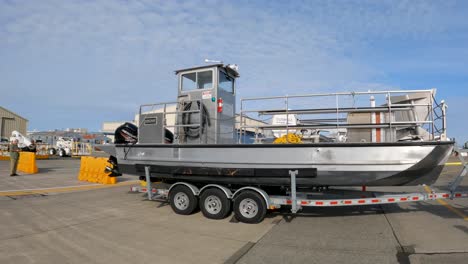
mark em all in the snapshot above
pixel 387 138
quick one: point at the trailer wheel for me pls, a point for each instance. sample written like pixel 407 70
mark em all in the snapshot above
pixel 52 151
pixel 62 153
pixel 182 200
pixel 249 207
pixel 214 204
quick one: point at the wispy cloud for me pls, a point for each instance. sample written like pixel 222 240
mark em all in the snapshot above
pixel 93 56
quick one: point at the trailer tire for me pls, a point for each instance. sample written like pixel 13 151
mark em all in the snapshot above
pixel 214 204
pixel 249 207
pixel 182 200
pixel 52 151
pixel 62 153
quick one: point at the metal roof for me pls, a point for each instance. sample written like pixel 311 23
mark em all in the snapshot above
pixel 13 113
pixel 199 67
pixel 231 71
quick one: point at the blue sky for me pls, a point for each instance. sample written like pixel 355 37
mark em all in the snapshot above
pixel 79 63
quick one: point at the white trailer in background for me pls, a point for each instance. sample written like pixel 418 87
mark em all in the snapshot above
pixel 63 147
pixel 67 147
pixel 24 143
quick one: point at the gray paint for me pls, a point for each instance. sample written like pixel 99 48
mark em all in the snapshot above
pixel 151 128
pixel 221 127
pixel 336 165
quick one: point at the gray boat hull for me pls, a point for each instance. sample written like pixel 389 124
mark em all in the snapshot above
pixel 321 164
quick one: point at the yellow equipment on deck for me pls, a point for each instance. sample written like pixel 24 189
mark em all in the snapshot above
pixel 289 138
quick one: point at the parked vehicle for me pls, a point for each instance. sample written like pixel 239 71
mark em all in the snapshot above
pixel 24 143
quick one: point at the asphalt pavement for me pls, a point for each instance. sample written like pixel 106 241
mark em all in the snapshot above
pixel 112 225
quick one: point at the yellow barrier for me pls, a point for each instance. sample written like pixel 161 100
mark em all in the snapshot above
pixel 38 157
pixel 27 162
pixel 92 170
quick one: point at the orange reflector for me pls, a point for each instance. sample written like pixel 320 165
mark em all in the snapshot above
pixel 361 201
pixel 333 202
pixel 304 202
pixel 391 199
pixel 318 203
pixel 415 198
pixel 348 202
pixel 375 200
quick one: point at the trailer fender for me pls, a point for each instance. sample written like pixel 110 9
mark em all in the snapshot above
pixel 260 191
pixel 193 188
pixel 222 188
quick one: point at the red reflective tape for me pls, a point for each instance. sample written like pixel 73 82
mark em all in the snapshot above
pixel 304 202
pixel 415 198
pixel 318 203
pixel 458 195
pixel 362 201
pixel 348 202
pixel 375 200
pixel 403 199
pixel 333 202
pixel 445 195
pixel 391 199
pixel 288 201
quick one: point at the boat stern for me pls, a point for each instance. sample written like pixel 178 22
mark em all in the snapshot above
pixel 110 149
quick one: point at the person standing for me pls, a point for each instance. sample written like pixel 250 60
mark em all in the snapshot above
pixel 14 157
pixel 32 147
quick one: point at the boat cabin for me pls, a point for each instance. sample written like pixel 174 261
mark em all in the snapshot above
pixel 204 111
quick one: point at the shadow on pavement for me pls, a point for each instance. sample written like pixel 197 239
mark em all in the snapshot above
pixel 462 228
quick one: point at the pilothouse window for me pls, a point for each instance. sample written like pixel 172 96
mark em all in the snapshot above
pixel 197 80
pixel 189 81
pixel 226 82
pixel 205 80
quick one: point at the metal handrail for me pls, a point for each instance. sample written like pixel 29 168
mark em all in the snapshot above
pixel 395 107
pixel 381 125
pixel 389 108
pixel 335 94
